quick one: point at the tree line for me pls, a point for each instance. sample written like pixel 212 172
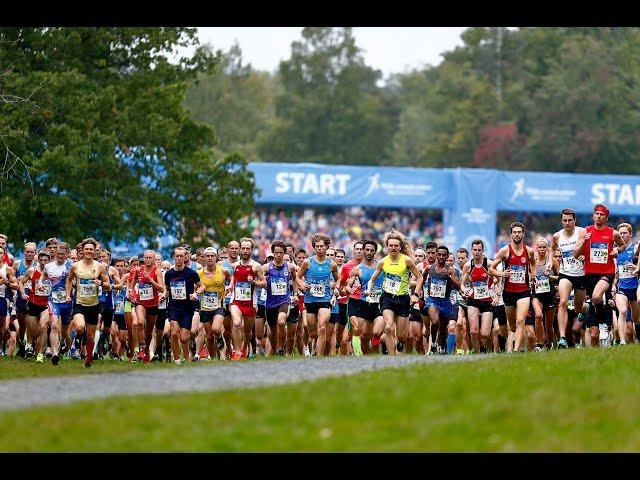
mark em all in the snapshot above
pixel 542 99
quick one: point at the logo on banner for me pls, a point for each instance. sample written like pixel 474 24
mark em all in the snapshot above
pixel 374 184
pixel 395 189
pixel 518 189
pixel 544 194
pixel 476 215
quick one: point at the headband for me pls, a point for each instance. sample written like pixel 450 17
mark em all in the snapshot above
pixel 602 209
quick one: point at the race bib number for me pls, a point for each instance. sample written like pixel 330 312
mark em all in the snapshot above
pixel 626 270
pixel 145 291
pixel 58 296
pixel 599 252
pixel 543 285
pixel 480 290
pixel 87 288
pixel 119 305
pixel 243 291
pixel 43 289
pixel 3 291
pixel 437 288
pixel 178 290
pixel 263 295
pixel 210 301
pixel 569 262
pixel 374 296
pixel 317 289
pixel 391 283
pixel 517 274
pixel 453 297
pixel 278 287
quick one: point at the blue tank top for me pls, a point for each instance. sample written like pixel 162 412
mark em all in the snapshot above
pixel 22 269
pixel 626 279
pixel 278 281
pixel 454 296
pixel 318 277
pixel 227 265
pixel 120 301
pixel 107 297
pixel 365 275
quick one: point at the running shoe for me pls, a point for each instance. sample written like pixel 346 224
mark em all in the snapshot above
pixel 562 343
pixel 459 351
pixel 305 351
pixel 399 346
pixel 220 342
pixel 40 358
pixel 196 358
pixel 538 349
pixel 236 355
pixel 375 341
pixel 55 359
pixel 28 351
pixel 48 352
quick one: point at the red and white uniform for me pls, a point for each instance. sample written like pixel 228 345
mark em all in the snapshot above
pixel 344 276
pixel 519 265
pixel 243 290
pixel 481 282
pixel 147 293
pixel 597 251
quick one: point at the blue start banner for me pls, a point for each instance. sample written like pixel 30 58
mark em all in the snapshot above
pixel 469 198
pixel 312 184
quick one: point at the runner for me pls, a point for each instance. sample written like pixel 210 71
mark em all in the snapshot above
pixel 416 338
pixel 544 300
pixel 302 332
pixel 56 273
pixel 519 277
pixel 315 279
pixel 279 276
pixel 247 273
pixel 7 282
pixel 106 301
pixel 231 253
pixel 395 302
pixel 571 271
pixel 181 297
pixel 481 295
pixel 212 293
pixel 462 325
pixel 346 304
pixel 438 280
pixel 596 244
pixel 38 307
pixel 293 319
pixel 367 307
pixel 151 291
pixel 88 275
pixel 626 285
pixel 20 267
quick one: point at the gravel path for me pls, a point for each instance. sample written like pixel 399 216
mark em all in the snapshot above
pixel 23 393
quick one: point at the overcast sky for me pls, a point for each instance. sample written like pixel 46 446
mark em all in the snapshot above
pixel 389 49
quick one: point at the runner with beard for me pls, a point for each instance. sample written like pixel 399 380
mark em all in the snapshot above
pixel 519 276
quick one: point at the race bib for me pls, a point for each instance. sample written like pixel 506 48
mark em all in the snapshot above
pixel 453 297
pixel 58 296
pixel 599 252
pixel 569 262
pixel 178 290
pixel 374 296
pixel 87 288
pixel 278 287
pixel 145 291
pixel 3 291
pixel 543 285
pixel 480 290
pixel 243 291
pixel 391 283
pixel 120 305
pixel 43 289
pixel 437 288
pixel 317 289
pixel 210 301
pixel 517 274
pixel 263 295
pixel 626 270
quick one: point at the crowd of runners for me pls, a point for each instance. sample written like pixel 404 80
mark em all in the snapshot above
pixel 80 303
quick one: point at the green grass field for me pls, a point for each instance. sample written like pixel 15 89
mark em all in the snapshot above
pixel 561 401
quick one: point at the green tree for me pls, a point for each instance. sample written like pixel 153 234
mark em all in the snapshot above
pixel 101 144
pixel 236 100
pixel 331 109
